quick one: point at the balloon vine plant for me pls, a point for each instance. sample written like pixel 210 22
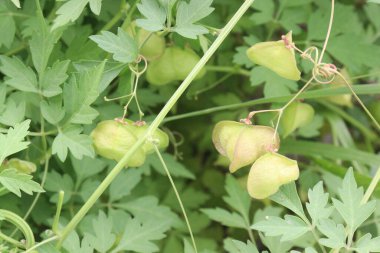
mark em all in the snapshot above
pixel 243 143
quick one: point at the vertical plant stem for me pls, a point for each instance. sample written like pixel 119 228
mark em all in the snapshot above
pixel 375 180
pixel 178 197
pixel 328 31
pixel 58 212
pixel 160 117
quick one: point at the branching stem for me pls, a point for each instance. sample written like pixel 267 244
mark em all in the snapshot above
pixel 177 196
pixel 158 120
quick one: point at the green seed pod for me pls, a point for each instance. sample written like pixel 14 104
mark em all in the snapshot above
pixel 243 143
pixel 159 136
pixel 277 57
pixel 154 47
pixel 21 165
pixel 295 116
pixel 268 173
pixel 174 65
pixel 161 71
pixel 184 61
pixel 343 100
pixel 112 139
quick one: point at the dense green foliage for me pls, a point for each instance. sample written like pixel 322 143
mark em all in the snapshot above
pixel 67 67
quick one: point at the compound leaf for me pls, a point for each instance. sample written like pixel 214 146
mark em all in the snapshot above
pixel 16 182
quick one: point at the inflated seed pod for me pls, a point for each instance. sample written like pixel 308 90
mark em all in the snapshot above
pixel 112 139
pixel 276 56
pixel 21 165
pixel 243 143
pixel 184 60
pixel 296 115
pixel 161 71
pixel 268 173
pixel 159 136
pixel 338 81
pixel 154 47
pixel 174 65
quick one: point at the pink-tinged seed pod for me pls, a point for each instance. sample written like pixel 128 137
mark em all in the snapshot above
pixel 242 144
pixel 277 56
pixel 268 173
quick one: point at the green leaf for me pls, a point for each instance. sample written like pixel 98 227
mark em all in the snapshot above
pixel 290 228
pixel 96 6
pixel 188 248
pixel 274 85
pixel 73 244
pixel 229 219
pixel 138 235
pixel 265 10
pixel 87 167
pixel 71 139
pixel 69 12
pixel 53 78
pixel 79 93
pixel 235 246
pixel 188 14
pixel 241 57
pixel 124 184
pixel 122 46
pixel 16 3
pixel 288 197
pixel 13 114
pixel 52 110
pixel 366 245
pixel 146 208
pixel 41 43
pixel 318 206
pixel 56 182
pixel 336 234
pixel 19 76
pixel 7 26
pixel 155 15
pixel 176 168
pixel 238 197
pixel 310 250
pixel 354 52
pixel 349 206
pixel 12 142
pixel 102 237
pixel 16 182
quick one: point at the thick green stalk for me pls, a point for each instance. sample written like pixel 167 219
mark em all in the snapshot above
pixel 160 117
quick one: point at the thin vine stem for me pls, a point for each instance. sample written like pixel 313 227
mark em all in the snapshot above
pixel 177 196
pixel 325 92
pixel 359 101
pixel 158 120
pixel 12 241
pixel 36 246
pixel 328 31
